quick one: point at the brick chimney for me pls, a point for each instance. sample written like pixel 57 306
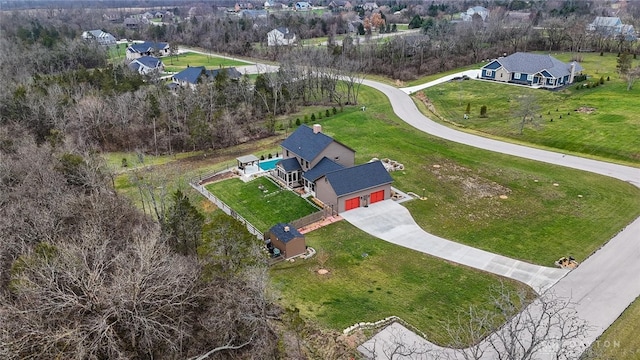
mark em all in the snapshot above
pixel 317 128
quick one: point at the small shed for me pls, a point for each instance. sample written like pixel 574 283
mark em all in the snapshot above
pixel 288 240
pixel 244 161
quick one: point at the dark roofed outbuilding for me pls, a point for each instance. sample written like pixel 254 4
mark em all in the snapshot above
pixel 288 240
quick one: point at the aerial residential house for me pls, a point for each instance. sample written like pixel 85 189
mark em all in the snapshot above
pixel 131 23
pixel 302 6
pixel 147 48
pixel 99 36
pixel 321 166
pixel 476 10
pixel 280 36
pixel 288 240
pixel 369 6
pixel 612 27
pixel 340 5
pixel 147 65
pixel 192 76
pixel 540 71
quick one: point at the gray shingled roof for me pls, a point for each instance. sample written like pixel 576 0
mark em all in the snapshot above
pixel 359 177
pixel 290 164
pixel 285 236
pixel 324 166
pixel 534 63
pixel 304 143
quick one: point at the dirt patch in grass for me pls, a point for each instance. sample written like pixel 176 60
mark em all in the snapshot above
pixel 218 177
pixel 472 185
pixel 586 110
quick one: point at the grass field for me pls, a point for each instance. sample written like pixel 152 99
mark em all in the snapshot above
pixel 600 122
pixel 261 202
pixel 180 62
pixel 620 341
pixel 538 222
pixel 370 279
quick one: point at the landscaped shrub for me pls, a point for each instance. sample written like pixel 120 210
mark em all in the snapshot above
pixel 269 155
pixel 334 110
pixel 297 121
pixel 327 113
pixel 125 163
pixel 601 80
pixel 468 111
pixel 313 117
pixel 608 78
pixel 483 111
pixel 261 157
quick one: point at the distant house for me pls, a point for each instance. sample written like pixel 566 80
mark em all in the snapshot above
pixel 147 65
pixel 543 71
pixel 302 6
pixel 147 48
pixel 131 23
pixel 340 5
pixel 325 168
pixel 99 36
pixel 369 6
pixel 280 36
pixel 519 16
pixel 192 76
pixel 612 27
pixel 476 10
pixel 288 240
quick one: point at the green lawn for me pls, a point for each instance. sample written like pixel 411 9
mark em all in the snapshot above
pixel 180 62
pixel 370 279
pixel 620 341
pixel 538 222
pixel 611 131
pixel 261 202
pixel 116 53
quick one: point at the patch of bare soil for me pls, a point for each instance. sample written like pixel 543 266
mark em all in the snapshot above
pixel 218 177
pixel 472 185
pixel 586 110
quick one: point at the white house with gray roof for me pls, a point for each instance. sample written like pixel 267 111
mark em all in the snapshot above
pixel 476 10
pixel 99 36
pixel 609 26
pixel 281 36
pixel 535 70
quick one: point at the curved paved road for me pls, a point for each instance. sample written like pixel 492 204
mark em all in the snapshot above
pixel 604 284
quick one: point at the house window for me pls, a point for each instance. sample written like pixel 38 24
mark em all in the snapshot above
pixel 489 72
pixel 336 158
pixel 287 153
pixel 529 77
pixel 306 163
pixel 517 75
pixel 501 74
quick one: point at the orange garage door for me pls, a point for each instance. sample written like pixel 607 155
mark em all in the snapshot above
pixel 351 203
pixel 376 196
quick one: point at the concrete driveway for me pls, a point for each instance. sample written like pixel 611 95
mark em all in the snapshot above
pixel 392 222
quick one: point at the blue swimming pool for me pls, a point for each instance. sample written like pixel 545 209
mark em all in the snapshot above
pixel 268 164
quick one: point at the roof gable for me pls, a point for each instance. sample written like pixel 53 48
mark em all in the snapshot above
pixel 323 167
pixel 495 64
pixel 190 74
pixel 148 46
pixel 307 144
pixel 289 164
pixel 359 177
pixel 285 236
pixel 149 61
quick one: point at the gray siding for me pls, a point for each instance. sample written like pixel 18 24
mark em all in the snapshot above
pixel 338 153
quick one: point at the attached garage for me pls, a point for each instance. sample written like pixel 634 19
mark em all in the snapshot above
pixel 354 187
pixel 352 203
pixel 376 196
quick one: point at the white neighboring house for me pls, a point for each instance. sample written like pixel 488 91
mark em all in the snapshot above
pixel 102 37
pixel 302 6
pixel 369 6
pixel 481 11
pixel 147 65
pixel 280 36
